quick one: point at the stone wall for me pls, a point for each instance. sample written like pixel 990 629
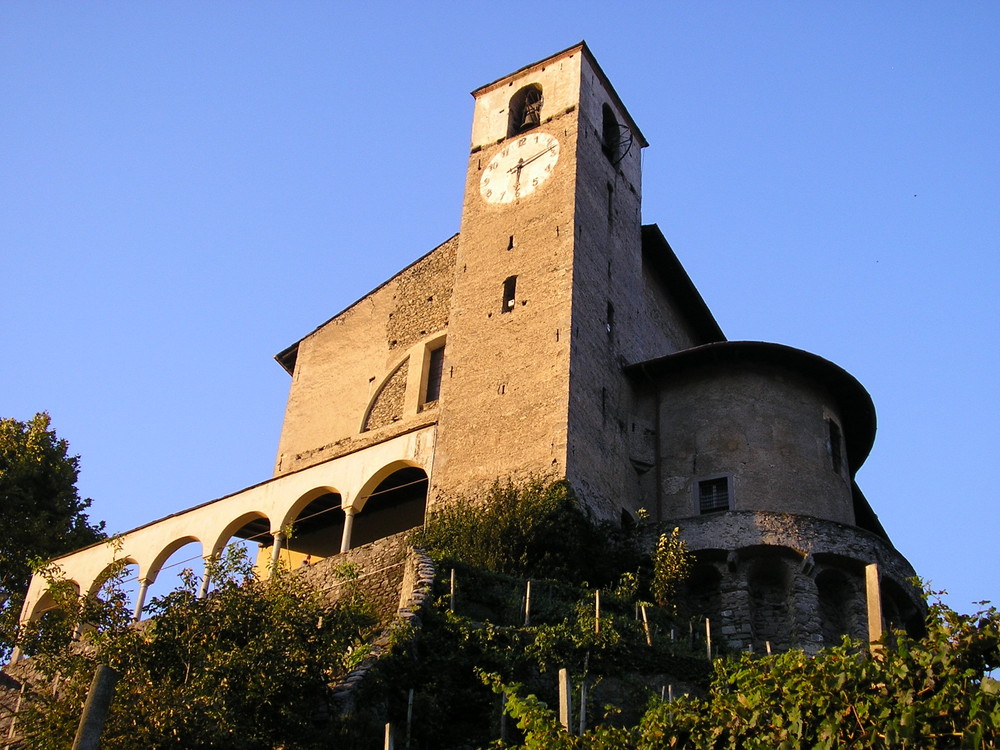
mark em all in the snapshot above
pixel 379 568
pixel 342 365
pixel 792 581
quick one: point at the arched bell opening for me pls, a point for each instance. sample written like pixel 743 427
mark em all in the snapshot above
pixel 524 111
pixel 397 504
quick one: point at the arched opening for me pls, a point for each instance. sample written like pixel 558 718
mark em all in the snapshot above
pixel 838 606
pixel 53 620
pixel 397 504
pixel 180 565
pixel 525 109
pixel 770 610
pixel 116 591
pixel 703 591
pixel 317 531
pixel 900 611
pixel 250 533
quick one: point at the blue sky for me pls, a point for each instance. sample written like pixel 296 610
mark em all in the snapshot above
pixel 188 187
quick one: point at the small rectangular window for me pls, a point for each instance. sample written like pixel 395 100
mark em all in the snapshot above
pixel 509 290
pixel 435 369
pixel 836 441
pixel 713 495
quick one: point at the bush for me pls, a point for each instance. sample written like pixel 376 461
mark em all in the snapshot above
pixel 536 529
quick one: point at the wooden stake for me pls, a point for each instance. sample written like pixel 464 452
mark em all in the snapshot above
pixel 645 626
pixel 767 647
pixel 597 611
pixel 565 700
pixel 874 597
pixel 388 737
pixel 527 604
pixel 583 706
pixel 409 719
pixel 708 639
pixel 451 605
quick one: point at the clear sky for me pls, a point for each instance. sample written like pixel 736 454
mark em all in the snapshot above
pixel 186 188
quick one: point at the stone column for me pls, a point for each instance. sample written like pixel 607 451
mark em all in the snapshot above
pixel 140 599
pixel 808 633
pixel 206 578
pixel 279 544
pixel 345 542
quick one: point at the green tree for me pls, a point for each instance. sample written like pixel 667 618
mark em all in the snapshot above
pixel 246 667
pixel 42 512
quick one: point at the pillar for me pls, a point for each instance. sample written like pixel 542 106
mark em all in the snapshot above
pixel 345 542
pixel 279 544
pixel 140 599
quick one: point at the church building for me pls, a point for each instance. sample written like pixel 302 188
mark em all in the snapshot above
pixel 555 335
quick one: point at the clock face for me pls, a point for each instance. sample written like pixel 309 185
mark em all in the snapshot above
pixel 519 168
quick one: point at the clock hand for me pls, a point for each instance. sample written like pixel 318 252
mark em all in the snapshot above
pixel 539 155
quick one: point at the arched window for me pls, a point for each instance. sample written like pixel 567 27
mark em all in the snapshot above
pixel 525 109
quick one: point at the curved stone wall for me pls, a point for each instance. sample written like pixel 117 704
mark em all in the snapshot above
pixel 779 580
pixel 766 429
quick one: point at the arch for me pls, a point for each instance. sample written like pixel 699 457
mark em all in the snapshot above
pixel 154 567
pixel 900 610
pixel 48 624
pixel 47 603
pixel 298 508
pixel 253 525
pixel 317 520
pixel 704 591
pixel 387 405
pixel 103 577
pixel 771 611
pixel 524 110
pixel 838 605
pixel 393 500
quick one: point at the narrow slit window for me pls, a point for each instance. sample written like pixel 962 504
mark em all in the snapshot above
pixel 609 320
pixel 611 204
pixel 509 292
pixel 610 135
pixel 713 495
pixel 836 441
pixel 435 369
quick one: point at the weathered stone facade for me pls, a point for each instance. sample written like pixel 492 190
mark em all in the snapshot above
pixel 557 335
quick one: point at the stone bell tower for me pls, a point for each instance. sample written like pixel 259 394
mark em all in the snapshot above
pixel 548 263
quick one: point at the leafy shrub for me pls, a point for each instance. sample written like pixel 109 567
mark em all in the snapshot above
pixel 536 529
pixel 244 667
